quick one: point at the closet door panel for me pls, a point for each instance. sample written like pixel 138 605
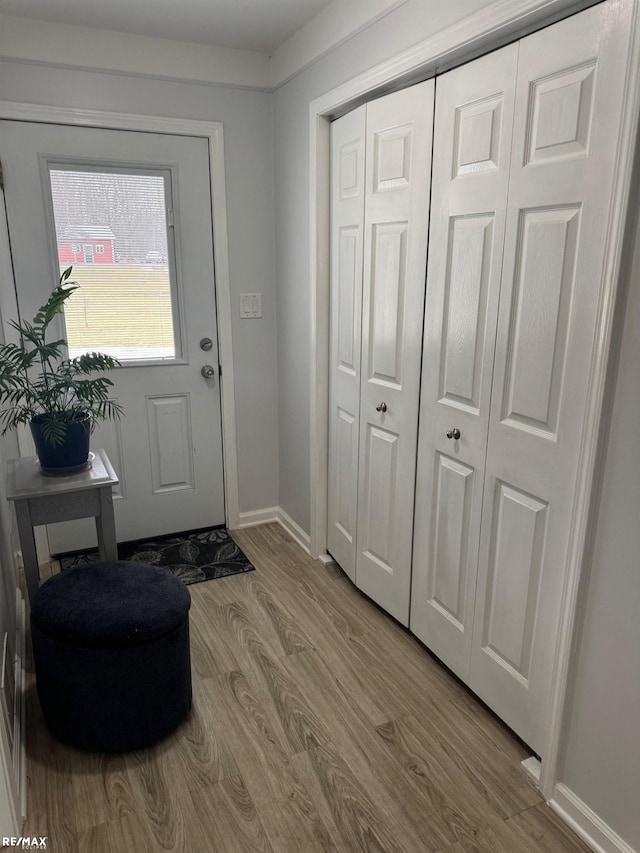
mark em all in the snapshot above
pixel 473 123
pixel 540 306
pixel 453 487
pixel 569 97
pixel 398 156
pixel 347 224
pixel 465 303
pixel 517 541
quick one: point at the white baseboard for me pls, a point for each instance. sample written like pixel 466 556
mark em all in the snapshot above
pixel 294 530
pixel 258 516
pixel 531 767
pixel 276 513
pixel 586 823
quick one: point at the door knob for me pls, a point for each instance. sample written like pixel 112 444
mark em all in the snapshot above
pixel 208 371
pixel 381 408
pixel 206 344
pixel 454 433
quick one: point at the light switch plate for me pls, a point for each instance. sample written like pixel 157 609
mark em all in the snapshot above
pixel 250 306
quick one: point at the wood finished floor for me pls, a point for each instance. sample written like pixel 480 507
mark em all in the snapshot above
pixel 318 724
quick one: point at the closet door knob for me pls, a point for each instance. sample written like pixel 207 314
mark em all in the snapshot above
pixel 454 433
pixel 381 408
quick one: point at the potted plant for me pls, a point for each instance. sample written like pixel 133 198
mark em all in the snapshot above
pixel 55 395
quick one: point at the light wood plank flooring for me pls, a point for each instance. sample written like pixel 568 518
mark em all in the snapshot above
pixel 318 724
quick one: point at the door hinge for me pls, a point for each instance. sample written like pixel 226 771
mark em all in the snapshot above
pixel 1 177
pixel 219 370
pixel 169 217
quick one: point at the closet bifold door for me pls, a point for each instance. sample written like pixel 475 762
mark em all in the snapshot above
pixel 472 143
pixel 569 97
pixel 397 182
pixel 347 225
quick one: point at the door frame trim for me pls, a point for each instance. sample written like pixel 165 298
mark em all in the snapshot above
pixel 212 131
pixel 499 24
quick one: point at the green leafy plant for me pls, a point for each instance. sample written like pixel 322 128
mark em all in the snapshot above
pixel 61 393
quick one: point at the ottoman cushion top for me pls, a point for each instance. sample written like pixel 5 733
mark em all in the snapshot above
pixel 110 604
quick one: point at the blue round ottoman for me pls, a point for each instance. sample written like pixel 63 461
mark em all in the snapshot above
pixel 111 654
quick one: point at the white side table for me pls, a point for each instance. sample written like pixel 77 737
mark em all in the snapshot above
pixel 40 499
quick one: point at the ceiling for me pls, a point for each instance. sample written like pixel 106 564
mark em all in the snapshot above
pixel 260 25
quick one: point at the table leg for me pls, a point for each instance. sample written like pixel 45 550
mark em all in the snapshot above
pixel 28 547
pixel 106 526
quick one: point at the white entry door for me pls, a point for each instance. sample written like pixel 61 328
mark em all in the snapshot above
pixel 471 153
pixel 142 202
pixel 569 98
pixel 398 171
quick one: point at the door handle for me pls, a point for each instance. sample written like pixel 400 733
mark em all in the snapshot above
pixel 454 433
pixel 208 371
pixel 381 408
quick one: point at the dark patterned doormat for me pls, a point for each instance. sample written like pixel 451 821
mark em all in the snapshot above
pixel 194 556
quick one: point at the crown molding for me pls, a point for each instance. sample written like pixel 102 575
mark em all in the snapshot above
pixel 73 47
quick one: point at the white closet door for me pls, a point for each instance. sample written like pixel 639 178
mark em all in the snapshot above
pixel 398 157
pixel 472 146
pixel 347 223
pixel 569 98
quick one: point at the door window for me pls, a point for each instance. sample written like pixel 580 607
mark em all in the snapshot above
pixel 127 304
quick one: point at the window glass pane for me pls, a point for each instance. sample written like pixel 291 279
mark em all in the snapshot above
pixel 112 228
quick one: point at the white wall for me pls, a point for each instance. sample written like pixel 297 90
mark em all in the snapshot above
pixel 412 22
pixel 601 761
pixel 246 116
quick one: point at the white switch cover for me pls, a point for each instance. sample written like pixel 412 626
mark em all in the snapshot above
pixel 250 306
